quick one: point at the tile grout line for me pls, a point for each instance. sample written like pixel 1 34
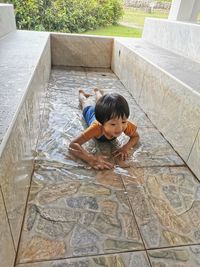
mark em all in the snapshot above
pixel 7 218
pixel 83 256
pixel 127 197
pixel 193 144
pixel 23 220
pixel 107 254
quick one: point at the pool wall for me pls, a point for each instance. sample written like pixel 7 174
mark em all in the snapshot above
pixel 25 66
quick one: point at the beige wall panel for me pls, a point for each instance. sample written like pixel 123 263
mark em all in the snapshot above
pixel 7 252
pixel 81 50
pixel 194 158
pixel 129 67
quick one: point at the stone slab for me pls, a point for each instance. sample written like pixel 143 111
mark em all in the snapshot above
pixel 137 259
pixel 179 37
pixel 194 158
pixel 81 50
pixel 7 251
pixel 16 165
pixel 151 150
pixel 165 202
pixel 188 256
pixel 147 54
pixel 179 117
pixel 166 88
pixel 74 211
pixel 73 215
pixel 17 65
pixel 7 19
pixel 25 68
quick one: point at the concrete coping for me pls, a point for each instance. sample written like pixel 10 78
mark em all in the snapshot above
pixel 18 61
pixel 182 69
pixel 176 36
pixel 7 19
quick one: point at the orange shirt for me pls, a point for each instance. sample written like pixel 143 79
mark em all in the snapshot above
pixel 95 130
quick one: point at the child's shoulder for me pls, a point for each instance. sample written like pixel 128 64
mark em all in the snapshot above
pixel 94 130
pixel 131 124
pixel 131 128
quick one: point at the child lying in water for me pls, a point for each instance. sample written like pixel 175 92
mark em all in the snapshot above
pixel 106 121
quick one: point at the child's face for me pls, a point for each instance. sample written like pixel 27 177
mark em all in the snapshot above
pixel 114 127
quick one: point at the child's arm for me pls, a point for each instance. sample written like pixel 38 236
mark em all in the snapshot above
pixel 123 151
pixel 96 162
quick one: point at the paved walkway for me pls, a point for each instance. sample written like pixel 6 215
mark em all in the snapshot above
pixel 145 212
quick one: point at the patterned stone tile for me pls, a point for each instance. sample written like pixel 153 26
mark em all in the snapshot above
pixel 179 256
pixel 152 150
pixel 137 259
pixel 166 203
pixel 69 216
pixel 76 211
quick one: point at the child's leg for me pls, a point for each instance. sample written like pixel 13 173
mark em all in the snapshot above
pixel 87 106
pixel 98 93
pixel 84 99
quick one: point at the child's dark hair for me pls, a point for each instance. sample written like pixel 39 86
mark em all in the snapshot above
pixel 111 106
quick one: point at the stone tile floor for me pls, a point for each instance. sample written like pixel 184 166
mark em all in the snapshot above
pixel 145 212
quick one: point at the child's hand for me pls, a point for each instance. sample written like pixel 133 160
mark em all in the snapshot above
pixel 100 163
pixel 122 153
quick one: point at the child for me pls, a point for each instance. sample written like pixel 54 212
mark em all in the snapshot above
pixel 106 121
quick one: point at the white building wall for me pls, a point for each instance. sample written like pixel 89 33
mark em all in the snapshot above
pixel 7 19
pixel 184 10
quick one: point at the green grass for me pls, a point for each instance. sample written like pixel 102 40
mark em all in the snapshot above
pixel 117 30
pixel 133 17
pixel 137 16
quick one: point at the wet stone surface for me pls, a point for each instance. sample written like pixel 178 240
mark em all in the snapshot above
pixel 183 256
pixel 131 259
pixel 151 201
pixel 165 204
pixel 90 218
